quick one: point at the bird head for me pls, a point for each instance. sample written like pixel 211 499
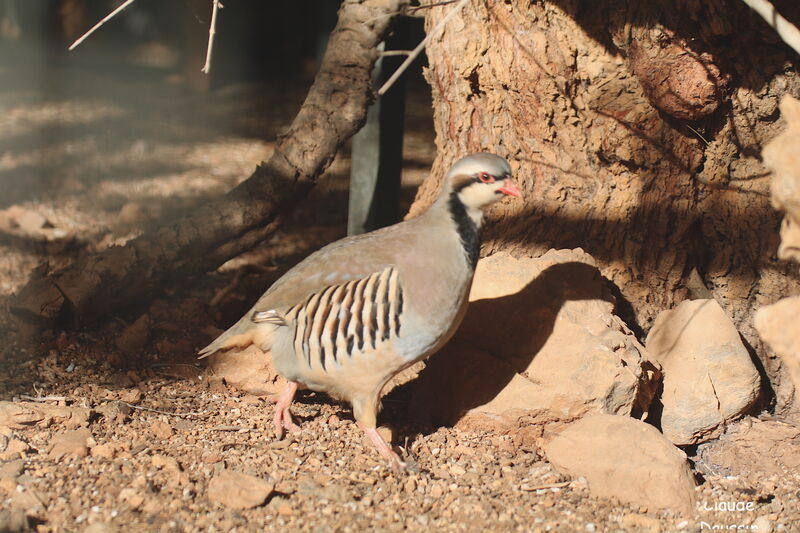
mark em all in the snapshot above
pixel 481 179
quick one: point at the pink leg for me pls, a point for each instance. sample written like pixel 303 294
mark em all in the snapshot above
pixel 283 417
pixel 384 449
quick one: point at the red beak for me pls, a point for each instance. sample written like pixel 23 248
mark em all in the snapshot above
pixel 510 189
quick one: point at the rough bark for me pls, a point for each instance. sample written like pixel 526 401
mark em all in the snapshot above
pixel 332 112
pixel 635 130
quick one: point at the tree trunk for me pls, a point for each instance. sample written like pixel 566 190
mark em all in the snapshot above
pixel 333 111
pixel 635 131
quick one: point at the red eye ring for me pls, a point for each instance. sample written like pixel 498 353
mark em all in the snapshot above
pixel 485 177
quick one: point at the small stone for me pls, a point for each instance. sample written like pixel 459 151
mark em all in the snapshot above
pixel 238 491
pixel 762 524
pixel 212 458
pixel 30 221
pixel 14 449
pixel 132 396
pixel 131 213
pixel 133 338
pixel 12 469
pixel 120 380
pixel 70 443
pixel 285 509
pixel 133 497
pixel 642 523
pixel 105 451
pixel 410 485
pixel 436 491
pixel 167 463
pixel 161 429
pixel 457 470
pixel 8 485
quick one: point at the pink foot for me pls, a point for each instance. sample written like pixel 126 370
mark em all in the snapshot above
pixel 283 415
pixel 384 449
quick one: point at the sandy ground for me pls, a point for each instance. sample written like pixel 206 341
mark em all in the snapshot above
pixel 100 157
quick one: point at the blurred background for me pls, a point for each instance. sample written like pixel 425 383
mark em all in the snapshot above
pixel 125 131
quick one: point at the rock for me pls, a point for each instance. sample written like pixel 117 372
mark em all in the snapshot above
pixel 133 338
pixel 19 415
pixel 70 443
pixel 132 396
pixel 106 451
pixel 131 213
pixel 13 520
pixel 762 448
pixel 161 430
pixel 552 350
pixel 30 221
pixel 132 496
pixel 623 458
pixel 249 370
pixel 641 523
pixel 14 449
pixel 238 491
pixel 782 157
pixel 12 469
pixel 772 323
pixel 170 464
pixel 709 378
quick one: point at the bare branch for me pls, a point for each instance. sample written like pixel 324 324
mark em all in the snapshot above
pixel 414 53
pixel 105 19
pixel 212 30
pixel 785 29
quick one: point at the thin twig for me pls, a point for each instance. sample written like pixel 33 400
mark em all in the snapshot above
pixel 102 21
pixel 528 488
pixel 394 53
pixel 787 31
pixel 414 9
pixel 697 133
pixel 212 30
pixel 413 55
pixel 150 410
pixel 43 398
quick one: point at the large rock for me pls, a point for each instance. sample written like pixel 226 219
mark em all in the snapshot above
pixel 782 156
pixel 623 458
pixel 777 325
pixel 709 377
pixel 539 343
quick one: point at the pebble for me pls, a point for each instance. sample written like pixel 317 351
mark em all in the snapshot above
pixel 238 490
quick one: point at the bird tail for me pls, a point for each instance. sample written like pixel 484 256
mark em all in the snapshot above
pixel 240 335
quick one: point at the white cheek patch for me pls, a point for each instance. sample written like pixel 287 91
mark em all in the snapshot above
pixel 480 194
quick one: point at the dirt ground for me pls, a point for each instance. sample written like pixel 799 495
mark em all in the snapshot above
pixel 113 432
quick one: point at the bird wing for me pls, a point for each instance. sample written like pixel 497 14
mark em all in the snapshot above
pixel 351 259
pixel 345 318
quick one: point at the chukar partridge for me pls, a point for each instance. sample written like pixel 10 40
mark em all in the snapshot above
pixel 358 311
